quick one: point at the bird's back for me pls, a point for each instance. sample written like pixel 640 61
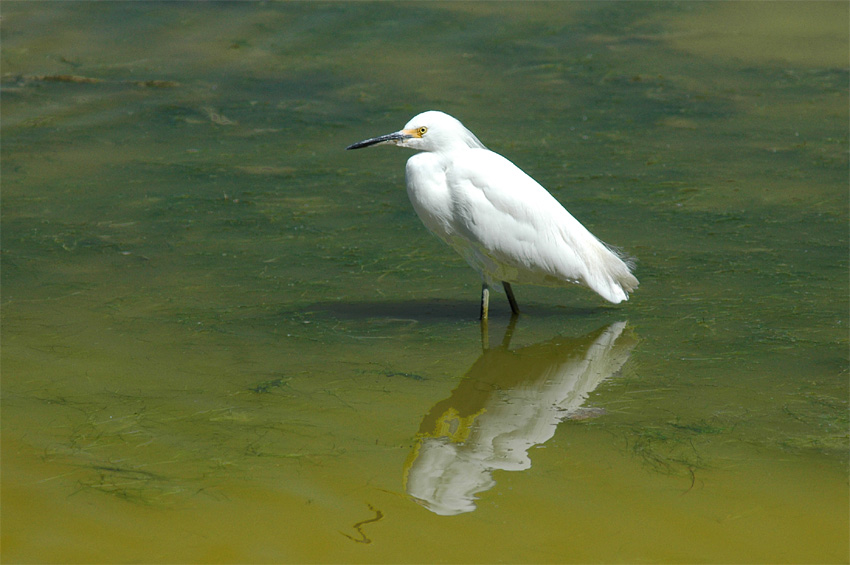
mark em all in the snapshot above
pixel 508 227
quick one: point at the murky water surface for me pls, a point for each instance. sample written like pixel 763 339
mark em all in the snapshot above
pixel 226 339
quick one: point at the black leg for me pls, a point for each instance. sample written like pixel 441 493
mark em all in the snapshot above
pixel 510 292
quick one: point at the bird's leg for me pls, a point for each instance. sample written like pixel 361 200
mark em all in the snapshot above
pixel 485 301
pixel 510 292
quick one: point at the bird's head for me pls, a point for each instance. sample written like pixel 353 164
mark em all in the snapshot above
pixel 428 131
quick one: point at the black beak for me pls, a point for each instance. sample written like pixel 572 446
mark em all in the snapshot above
pixel 397 136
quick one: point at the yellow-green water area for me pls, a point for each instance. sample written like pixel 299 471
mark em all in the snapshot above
pixel 226 339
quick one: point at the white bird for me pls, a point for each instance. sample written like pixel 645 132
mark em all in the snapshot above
pixel 503 222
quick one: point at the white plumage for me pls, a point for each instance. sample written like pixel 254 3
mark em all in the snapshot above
pixel 503 222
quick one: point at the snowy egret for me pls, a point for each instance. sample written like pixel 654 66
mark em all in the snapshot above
pixel 506 225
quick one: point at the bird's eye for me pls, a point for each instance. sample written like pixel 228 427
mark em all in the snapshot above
pixel 421 131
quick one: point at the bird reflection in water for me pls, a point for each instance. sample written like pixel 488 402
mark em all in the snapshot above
pixel 508 402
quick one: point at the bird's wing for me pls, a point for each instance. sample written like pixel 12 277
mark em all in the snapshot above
pixel 514 221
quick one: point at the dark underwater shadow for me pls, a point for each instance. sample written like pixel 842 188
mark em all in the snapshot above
pixel 442 310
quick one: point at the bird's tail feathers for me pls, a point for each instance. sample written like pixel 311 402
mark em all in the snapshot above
pixel 627 259
pixel 617 280
pixel 625 279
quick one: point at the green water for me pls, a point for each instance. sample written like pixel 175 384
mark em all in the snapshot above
pixel 226 339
